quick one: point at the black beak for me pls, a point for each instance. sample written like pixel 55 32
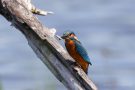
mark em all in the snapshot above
pixel 63 37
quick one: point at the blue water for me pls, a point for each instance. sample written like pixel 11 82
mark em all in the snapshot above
pixel 106 29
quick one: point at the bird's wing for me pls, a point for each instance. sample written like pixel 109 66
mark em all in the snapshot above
pixel 81 50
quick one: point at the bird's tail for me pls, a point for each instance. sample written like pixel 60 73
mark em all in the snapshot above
pixel 90 63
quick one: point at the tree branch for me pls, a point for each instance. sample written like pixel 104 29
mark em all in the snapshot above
pixel 45 45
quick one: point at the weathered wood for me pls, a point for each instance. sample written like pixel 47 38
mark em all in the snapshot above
pixel 45 45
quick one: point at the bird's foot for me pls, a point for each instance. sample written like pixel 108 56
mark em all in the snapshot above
pixel 76 64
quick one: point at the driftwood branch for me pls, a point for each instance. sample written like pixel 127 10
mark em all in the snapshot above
pixel 45 45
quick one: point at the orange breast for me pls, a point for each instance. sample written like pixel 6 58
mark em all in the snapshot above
pixel 73 53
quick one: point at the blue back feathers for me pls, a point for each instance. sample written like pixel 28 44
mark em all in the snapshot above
pixel 81 50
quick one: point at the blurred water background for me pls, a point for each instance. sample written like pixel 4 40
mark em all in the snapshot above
pixel 106 29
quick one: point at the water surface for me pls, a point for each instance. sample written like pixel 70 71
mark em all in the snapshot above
pixel 106 29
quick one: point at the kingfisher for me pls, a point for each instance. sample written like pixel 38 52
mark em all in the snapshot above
pixel 76 50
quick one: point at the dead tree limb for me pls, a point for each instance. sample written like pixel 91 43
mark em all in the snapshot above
pixel 45 45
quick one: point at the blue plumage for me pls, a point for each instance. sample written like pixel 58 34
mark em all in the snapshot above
pixel 81 50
